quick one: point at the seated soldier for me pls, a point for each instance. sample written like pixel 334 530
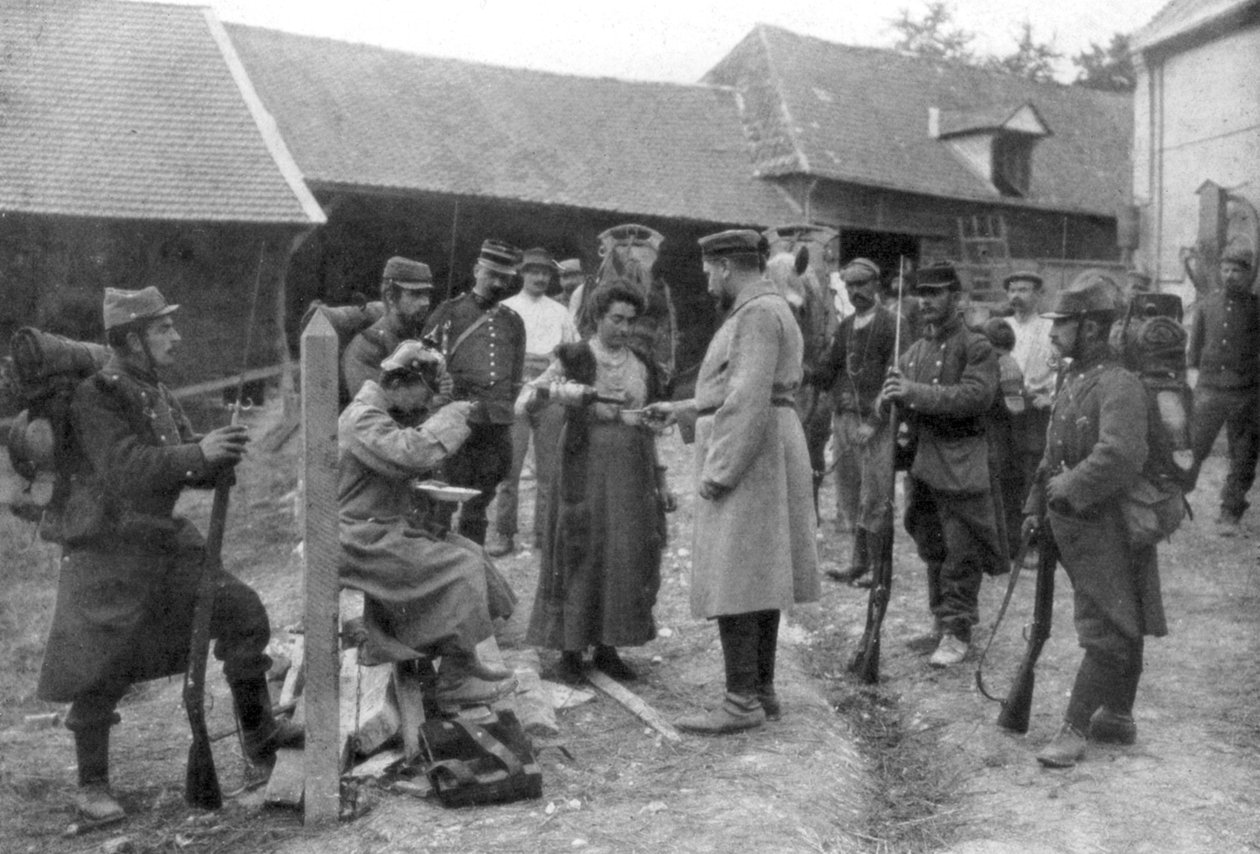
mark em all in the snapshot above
pixel 428 592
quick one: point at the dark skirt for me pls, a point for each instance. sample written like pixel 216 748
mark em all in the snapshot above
pixel 601 554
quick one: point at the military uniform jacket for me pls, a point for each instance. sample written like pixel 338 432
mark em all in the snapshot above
pixel 954 376
pixel 754 547
pixel 131 571
pixel 363 356
pixel 858 361
pixel 488 364
pixel 1098 438
pixel 1225 340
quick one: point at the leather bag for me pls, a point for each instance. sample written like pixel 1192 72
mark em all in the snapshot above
pixel 490 763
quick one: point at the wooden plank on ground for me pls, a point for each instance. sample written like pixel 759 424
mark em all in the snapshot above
pixel 324 747
pixel 410 707
pixel 365 696
pixel 293 680
pixel 288 779
pixel 633 702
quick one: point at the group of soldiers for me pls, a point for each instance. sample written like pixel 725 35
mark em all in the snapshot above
pixel 432 389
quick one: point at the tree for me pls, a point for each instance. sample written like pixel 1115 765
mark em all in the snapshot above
pixel 1109 69
pixel 933 36
pixel 1031 59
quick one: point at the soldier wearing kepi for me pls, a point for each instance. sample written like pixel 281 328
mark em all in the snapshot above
pixel 754 553
pixel 1225 349
pixel 1098 446
pixel 484 346
pixel 130 567
pixel 406 291
pixel 945 387
pixel 572 277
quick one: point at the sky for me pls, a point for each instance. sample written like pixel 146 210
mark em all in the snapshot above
pixel 664 40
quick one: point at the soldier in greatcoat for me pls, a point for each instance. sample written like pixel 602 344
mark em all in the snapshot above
pixel 428 592
pixel 130 567
pixel 1097 447
pixel 483 343
pixel 946 385
pixel 754 554
pixel 406 291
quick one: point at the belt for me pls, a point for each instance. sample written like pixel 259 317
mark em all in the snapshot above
pixel 787 402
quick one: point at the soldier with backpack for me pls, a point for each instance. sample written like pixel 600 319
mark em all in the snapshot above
pixel 407 292
pixel 130 567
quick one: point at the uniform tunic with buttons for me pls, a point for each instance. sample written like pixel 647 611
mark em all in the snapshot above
pixel 950 508
pixel 128 584
pixel 363 356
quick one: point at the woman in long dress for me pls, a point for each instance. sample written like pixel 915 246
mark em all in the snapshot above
pixel 605 532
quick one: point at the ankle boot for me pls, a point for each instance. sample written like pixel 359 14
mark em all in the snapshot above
pixel 1065 749
pixel 261 733
pixel 737 712
pixel 860 562
pixel 464 662
pixel 767 649
pixel 607 660
pixel 1109 727
pixel 93 801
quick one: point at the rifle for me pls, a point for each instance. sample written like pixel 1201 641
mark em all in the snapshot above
pixel 201 781
pixel 865 662
pixel 1018 702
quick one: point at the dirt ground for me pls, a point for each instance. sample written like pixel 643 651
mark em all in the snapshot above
pixel 914 764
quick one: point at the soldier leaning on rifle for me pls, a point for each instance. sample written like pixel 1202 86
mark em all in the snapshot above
pixel 130 568
pixel 1096 448
pixel 406 291
pixel 946 385
pixel 1225 348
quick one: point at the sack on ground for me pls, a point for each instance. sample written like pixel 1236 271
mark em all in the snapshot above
pixel 491 763
pixel 1151 511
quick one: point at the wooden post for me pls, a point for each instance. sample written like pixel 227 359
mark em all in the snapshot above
pixel 319 446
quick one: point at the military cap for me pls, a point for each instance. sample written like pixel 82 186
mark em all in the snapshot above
pixel 499 257
pixel 859 270
pixel 406 273
pixel 414 358
pixel 538 257
pixel 736 241
pixel 942 275
pixel 1023 276
pixel 1237 255
pixel 801 232
pixel 1092 292
pixel 123 307
pixel 631 234
pixel 570 267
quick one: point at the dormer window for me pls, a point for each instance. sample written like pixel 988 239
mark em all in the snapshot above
pixel 996 144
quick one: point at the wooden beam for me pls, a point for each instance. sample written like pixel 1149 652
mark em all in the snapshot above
pixel 633 702
pixel 323 752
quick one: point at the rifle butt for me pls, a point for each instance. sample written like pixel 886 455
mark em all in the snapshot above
pixel 201 782
pixel 1017 706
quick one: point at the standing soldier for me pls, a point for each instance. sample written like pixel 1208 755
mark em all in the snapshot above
pixel 130 567
pixel 863 350
pixel 1097 448
pixel 406 291
pixel 572 277
pixel 547 326
pixel 945 388
pixel 755 553
pixel 1225 348
pixel 484 346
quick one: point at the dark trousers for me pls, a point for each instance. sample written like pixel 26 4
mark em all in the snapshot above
pixel 1238 410
pixel 480 463
pixel 1110 669
pixel 749 643
pixel 957 537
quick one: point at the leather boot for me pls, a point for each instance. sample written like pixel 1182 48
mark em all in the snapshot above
pixel 860 564
pixel 464 680
pixel 607 660
pixel 261 733
pixel 464 662
pixel 1109 727
pixel 93 801
pixel 737 712
pixel 767 649
pixel 1065 749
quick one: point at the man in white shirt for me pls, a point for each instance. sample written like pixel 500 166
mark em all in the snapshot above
pixel 547 325
pixel 1034 355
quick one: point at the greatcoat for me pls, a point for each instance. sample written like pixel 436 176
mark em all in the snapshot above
pixel 754 547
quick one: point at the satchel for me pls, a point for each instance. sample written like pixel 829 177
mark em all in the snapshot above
pixel 1151 511
pixel 491 763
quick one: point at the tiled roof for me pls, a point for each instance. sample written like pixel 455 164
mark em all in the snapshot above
pixel 132 110
pixel 1180 17
pixel 860 115
pixel 368 117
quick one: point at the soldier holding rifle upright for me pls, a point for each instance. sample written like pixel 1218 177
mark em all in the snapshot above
pixel 1096 448
pixel 130 568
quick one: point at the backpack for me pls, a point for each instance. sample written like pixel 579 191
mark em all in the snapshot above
pixel 347 321
pixel 46 370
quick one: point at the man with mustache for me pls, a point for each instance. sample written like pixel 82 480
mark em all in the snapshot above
pixel 407 291
pixel 854 370
pixel 944 388
pixel 483 343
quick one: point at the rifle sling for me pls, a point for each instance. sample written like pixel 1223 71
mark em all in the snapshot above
pixel 1016 565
